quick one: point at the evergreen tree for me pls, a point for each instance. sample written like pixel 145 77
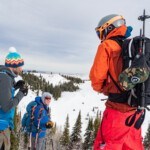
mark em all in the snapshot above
pixel 74 79
pixel 89 136
pixel 65 138
pixel 39 83
pixel 75 138
pixel 14 139
pixel 147 139
pixel 25 140
pixel 97 122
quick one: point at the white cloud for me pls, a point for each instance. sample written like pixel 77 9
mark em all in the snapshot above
pixel 62 31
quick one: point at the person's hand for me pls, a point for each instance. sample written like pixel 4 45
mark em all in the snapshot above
pixel 49 124
pixel 24 90
pixel 19 84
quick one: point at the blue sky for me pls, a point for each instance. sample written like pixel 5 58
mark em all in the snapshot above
pixel 59 35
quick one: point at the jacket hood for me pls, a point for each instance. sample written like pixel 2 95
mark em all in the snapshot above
pixel 39 100
pixel 7 70
pixel 121 31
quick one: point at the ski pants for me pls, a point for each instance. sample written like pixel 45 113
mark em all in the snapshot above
pixel 40 144
pixel 113 134
pixel 5 139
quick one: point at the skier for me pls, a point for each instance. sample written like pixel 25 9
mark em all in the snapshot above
pixel 8 100
pixel 113 134
pixel 41 121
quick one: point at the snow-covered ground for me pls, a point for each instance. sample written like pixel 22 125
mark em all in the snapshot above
pixel 54 79
pixel 84 100
pixel 71 103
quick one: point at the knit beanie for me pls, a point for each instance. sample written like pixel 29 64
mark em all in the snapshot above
pixel 13 59
pixel 45 94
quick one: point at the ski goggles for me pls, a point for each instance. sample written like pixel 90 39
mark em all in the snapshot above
pixel 116 22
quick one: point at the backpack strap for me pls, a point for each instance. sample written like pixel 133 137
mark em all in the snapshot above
pixel 129 51
pixel 32 116
pixel 117 39
pixel 132 119
pixel 116 84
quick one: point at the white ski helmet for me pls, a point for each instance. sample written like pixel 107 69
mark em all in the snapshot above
pixel 108 23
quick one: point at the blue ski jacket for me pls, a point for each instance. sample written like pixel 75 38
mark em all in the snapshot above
pixel 41 117
pixel 8 100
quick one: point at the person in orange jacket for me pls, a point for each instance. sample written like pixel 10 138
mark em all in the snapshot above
pixel 113 134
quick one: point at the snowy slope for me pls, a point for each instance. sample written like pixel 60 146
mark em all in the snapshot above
pixel 54 79
pixel 85 99
pixel 71 103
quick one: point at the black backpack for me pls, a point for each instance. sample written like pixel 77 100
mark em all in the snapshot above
pixel 130 48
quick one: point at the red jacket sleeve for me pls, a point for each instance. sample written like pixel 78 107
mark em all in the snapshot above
pixel 98 73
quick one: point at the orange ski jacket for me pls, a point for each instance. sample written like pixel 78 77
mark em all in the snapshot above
pixel 108 60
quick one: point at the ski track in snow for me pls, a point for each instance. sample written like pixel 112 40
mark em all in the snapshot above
pixel 84 100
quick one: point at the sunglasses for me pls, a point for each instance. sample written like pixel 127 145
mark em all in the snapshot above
pixel 48 98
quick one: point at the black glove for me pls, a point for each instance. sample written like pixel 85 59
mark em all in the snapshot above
pixel 49 124
pixel 24 90
pixel 19 84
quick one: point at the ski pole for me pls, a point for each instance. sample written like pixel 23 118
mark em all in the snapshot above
pixel 30 136
pixel 38 128
pixel 52 144
pixel 143 18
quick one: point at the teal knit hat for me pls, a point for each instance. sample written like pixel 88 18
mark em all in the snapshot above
pixel 13 59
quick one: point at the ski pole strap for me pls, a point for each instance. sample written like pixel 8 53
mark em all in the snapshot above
pixel 131 119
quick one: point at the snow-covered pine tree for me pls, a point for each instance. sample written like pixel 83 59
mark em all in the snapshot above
pixel 97 122
pixel 89 136
pixel 75 138
pixel 147 139
pixel 65 138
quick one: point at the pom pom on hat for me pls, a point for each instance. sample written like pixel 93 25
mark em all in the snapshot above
pixel 13 59
pixel 12 49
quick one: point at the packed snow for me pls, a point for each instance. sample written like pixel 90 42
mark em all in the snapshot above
pixel 85 100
